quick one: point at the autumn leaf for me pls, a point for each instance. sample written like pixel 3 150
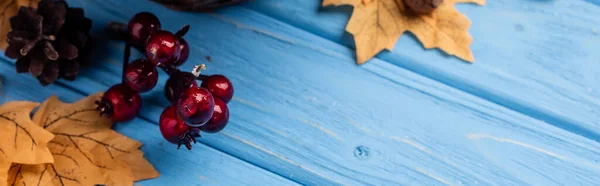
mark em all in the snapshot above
pixel 24 141
pixel 4 166
pixel 141 170
pixel 84 145
pixel 378 24
pixel 9 8
pixel 70 168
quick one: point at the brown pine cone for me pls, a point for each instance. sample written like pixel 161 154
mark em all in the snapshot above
pixel 197 5
pixel 47 42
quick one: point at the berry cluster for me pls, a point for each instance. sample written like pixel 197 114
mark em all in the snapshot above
pixel 194 107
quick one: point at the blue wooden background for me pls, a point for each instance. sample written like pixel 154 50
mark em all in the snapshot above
pixel 527 112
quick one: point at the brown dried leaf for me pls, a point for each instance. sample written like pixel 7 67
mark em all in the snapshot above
pixel 9 8
pixel 24 141
pixel 377 25
pixel 93 148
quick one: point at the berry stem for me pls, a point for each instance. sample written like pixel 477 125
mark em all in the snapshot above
pixel 168 69
pixel 201 77
pixel 126 60
pixel 116 31
pixel 181 32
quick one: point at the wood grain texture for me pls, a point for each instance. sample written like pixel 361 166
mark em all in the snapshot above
pixel 537 57
pixel 303 110
pixel 203 166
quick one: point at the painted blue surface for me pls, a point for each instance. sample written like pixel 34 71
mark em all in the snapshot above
pixel 526 113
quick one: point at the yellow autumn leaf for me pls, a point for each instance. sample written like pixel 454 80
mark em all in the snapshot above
pixel 95 149
pixel 9 8
pixel 23 141
pixel 378 24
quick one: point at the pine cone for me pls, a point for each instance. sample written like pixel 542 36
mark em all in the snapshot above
pixel 48 42
pixel 197 5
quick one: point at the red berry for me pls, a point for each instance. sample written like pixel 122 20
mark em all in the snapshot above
pixel 141 75
pixel 141 26
pixel 163 48
pixel 219 119
pixel 195 106
pixel 185 52
pixel 175 130
pixel 219 86
pixel 120 103
pixel 177 83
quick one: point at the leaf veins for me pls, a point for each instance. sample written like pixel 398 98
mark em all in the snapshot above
pixel 29 140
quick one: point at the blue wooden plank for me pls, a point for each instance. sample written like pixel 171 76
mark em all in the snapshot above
pixel 202 166
pixel 304 111
pixel 536 57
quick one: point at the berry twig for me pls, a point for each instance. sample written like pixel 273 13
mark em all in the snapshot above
pixel 181 32
pixel 116 31
pixel 126 56
pixel 194 108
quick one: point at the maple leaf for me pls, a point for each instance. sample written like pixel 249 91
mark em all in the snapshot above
pixel 86 150
pixel 9 8
pixel 70 168
pixel 24 141
pixel 378 24
pixel 4 166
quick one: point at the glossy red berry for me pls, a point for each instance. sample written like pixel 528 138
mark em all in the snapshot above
pixel 120 103
pixel 175 130
pixel 219 86
pixel 177 83
pixel 163 48
pixel 195 106
pixel 185 52
pixel 219 119
pixel 141 26
pixel 141 75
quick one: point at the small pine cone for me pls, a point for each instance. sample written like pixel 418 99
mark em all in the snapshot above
pixel 48 42
pixel 197 5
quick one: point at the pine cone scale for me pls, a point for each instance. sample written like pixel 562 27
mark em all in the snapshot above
pixel 50 51
pixel 20 37
pixel 51 72
pixel 69 69
pixel 36 65
pixel 13 50
pixel 25 15
pixel 54 13
pixel 68 51
pixel 22 64
pixel 28 47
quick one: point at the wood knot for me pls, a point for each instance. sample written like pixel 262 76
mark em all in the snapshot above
pixel 361 152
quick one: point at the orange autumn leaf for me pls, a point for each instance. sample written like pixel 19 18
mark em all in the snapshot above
pixel 90 146
pixel 9 8
pixel 378 24
pixel 23 140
